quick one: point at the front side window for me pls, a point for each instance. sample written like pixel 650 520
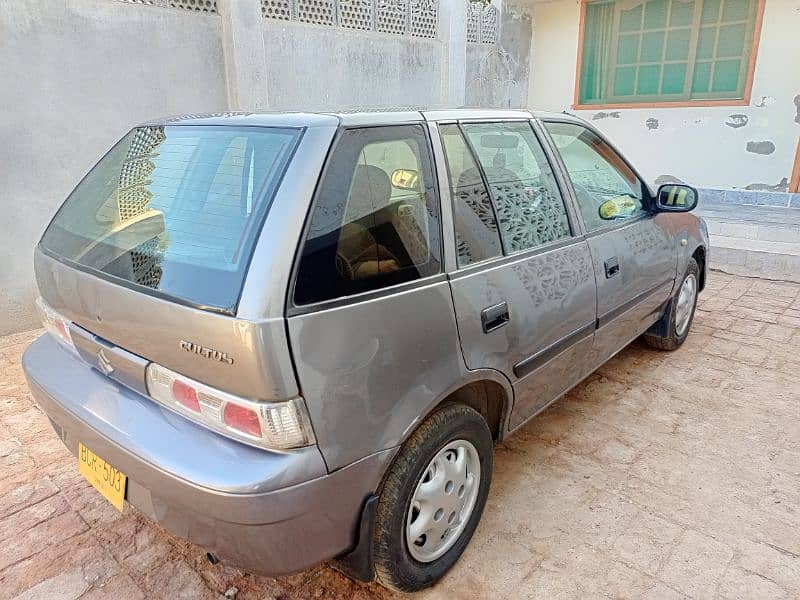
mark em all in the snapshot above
pixel 375 220
pixel 666 50
pixel 526 196
pixel 175 209
pixel 605 186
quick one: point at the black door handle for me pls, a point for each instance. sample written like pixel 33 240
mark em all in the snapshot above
pixel 612 267
pixel 494 317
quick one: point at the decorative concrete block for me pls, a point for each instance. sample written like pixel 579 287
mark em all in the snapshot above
pixel 711 196
pixel 747 197
pixel 777 233
pixel 742 230
pixel 762 198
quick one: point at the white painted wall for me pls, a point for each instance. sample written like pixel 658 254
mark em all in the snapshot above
pixel 311 67
pixel 497 74
pixel 692 144
pixel 77 74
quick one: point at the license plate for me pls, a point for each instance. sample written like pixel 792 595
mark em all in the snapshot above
pixel 104 478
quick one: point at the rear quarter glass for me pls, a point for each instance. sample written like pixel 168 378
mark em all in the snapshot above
pixel 175 210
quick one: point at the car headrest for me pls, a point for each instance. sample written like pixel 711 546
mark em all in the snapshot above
pixel 370 190
pixel 495 176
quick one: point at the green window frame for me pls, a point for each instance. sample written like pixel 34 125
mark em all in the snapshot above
pixel 656 51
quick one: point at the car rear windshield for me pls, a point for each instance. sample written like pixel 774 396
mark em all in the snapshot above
pixel 175 210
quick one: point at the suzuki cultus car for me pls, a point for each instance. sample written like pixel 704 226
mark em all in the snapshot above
pixel 296 337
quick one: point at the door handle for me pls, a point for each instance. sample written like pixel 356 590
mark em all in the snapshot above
pixel 494 317
pixel 612 267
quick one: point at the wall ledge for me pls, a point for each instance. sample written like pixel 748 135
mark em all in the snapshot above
pixel 749 198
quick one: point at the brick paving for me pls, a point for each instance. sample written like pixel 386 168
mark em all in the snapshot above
pixel 664 475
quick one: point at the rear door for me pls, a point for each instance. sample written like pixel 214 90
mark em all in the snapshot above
pixel 524 291
pixel 634 257
pixel 370 319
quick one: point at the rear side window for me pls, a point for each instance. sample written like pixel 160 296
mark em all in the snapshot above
pixel 175 209
pixel 528 201
pixel 375 220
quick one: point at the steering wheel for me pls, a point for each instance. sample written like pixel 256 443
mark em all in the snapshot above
pixel 343 266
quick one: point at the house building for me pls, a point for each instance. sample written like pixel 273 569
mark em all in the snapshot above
pixel 702 91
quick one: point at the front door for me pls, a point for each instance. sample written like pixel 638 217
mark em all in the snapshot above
pixel 524 291
pixel 634 257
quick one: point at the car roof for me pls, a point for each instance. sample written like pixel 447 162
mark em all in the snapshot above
pixel 356 118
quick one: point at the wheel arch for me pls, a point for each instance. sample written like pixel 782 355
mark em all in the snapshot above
pixel 699 255
pixel 487 391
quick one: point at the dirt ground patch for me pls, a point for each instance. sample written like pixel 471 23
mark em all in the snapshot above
pixel 664 475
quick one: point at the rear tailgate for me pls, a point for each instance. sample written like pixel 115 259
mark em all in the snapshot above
pixel 176 248
pixel 246 358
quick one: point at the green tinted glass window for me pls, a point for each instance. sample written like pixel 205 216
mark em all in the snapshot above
pixel 665 50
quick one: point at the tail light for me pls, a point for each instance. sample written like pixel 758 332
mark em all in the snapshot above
pixel 274 425
pixel 242 419
pixel 54 323
pixel 185 395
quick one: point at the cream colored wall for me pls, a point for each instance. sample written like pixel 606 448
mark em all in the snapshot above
pixel 554 53
pixel 692 144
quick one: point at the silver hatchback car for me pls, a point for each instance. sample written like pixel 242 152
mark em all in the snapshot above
pixel 296 337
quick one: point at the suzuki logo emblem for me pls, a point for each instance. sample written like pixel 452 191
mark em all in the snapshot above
pixel 103 363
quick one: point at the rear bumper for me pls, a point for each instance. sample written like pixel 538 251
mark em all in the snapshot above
pixel 267 512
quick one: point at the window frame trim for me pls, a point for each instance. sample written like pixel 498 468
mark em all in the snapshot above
pixel 794 179
pixel 678 103
pixel 492 202
pixel 451 205
pixel 293 308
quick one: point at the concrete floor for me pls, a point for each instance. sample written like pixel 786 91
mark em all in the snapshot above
pixel 665 475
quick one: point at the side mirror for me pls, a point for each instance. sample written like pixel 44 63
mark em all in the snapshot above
pixel 619 207
pixel 405 179
pixel 673 197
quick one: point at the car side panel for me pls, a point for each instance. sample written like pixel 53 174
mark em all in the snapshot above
pixel 370 370
pixel 551 301
pixel 689 227
pixel 630 301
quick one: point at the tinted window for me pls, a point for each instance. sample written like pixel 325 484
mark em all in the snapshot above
pixel 477 237
pixel 175 209
pixel 375 221
pixel 525 193
pixel 598 174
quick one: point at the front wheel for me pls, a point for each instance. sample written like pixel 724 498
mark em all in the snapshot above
pixel 680 312
pixel 432 498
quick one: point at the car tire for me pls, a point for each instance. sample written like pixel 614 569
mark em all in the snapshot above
pixel 679 314
pixel 428 472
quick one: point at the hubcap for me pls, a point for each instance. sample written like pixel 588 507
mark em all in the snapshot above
pixel 686 298
pixel 443 501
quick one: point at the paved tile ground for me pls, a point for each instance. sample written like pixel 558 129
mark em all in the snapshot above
pixel 665 475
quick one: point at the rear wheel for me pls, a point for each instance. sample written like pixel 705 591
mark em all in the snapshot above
pixel 679 313
pixel 432 498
